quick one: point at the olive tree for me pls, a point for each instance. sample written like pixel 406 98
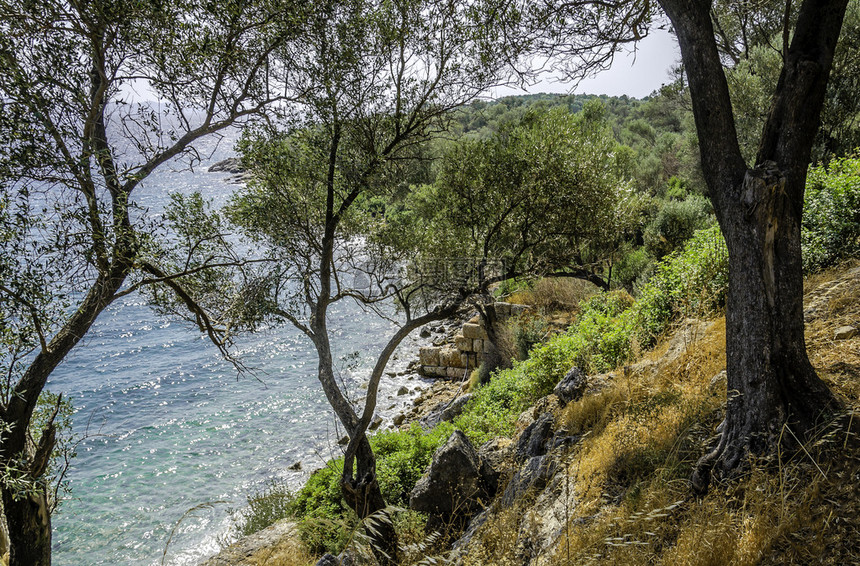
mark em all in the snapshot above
pixel 771 383
pixel 380 78
pixel 77 145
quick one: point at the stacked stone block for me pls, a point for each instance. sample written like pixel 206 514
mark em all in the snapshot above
pixel 457 360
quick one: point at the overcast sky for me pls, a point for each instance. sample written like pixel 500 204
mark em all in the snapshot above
pixel 634 74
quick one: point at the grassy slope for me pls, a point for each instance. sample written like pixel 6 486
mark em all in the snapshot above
pixel 624 498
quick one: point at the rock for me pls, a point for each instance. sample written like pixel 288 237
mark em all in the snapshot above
pixel 462 343
pixel 328 560
pixel 455 484
pixel 391 374
pixel 718 383
pixel 398 420
pixel 229 165
pixel 403 390
pixel 429 356
pixel 845 333
pixel 344 440
pixel 455 408
pixel 445 411
pixel 534 474
pixel 496 451
pixel 572 386
pixel 253 549
pixel 347 558
pixel 375 423
pixel 474 331
pixel 296 467
pixel 425 333
pixel 533 440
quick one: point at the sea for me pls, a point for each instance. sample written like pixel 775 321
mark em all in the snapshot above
pixel 171 439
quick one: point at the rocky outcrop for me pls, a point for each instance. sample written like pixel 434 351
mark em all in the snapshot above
pixel 572 386
pixel 229 165
pixel 245 551
pixel 445 411
pixel 457 484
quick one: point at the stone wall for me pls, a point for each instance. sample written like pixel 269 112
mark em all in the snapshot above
pixel 465 352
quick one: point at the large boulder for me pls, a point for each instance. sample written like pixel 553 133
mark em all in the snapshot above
pixel 572 386
pixel 456 485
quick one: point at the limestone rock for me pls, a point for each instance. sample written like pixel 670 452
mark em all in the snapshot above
pixel 328 560
pixel 534 474
pixel 572 386
pixel 375 423
pixel 455 484
pixel 403 390
pixel 533 440
pixel 244 550
pixel 845 333
pixel 229 165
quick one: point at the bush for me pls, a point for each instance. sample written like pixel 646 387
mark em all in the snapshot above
pixel 494 407
pixel 831 216
pixel 637 265
pixel 527 331
pixel 675 223
pixel 265 508
pixel 692 282
pixel 402 457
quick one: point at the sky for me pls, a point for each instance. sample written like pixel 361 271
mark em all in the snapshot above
pixel 635 74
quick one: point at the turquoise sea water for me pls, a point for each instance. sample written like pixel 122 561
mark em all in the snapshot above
pixel 175 439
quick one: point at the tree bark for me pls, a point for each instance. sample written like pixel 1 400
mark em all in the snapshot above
pixel 772 387
pixel 361 492
pixel 29 522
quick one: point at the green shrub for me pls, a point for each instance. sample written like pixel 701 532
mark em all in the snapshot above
pixel 675 223
pixel 527 331
pixel 403 455
pixel 265 507
pixel 321 496
pixel 692 282
pixel 636 265
pixel 831 216
pixel 495 406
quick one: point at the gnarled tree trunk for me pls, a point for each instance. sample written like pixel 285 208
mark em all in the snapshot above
pixel 29 520
pixel 772 387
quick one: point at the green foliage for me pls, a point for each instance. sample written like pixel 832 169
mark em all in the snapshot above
pixel 530 195
pixel 635 265
pixel 402 457
pixel 265 507
pixel 831 215
pixel 675 223
pixel 598 341
pixel 528 331
pixel 494 407
pixel 690 282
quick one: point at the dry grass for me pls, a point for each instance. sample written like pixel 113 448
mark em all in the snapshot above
pixel 287 552
pixel 554 294
pixel 645 430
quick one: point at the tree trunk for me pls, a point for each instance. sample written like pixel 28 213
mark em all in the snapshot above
pixel 361 492
pixel 29 522
pixel 774 393
pixel 495 358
